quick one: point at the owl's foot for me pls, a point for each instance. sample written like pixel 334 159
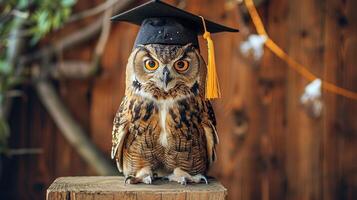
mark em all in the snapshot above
pixel 183 177
pixel 199 178
pixel 144 175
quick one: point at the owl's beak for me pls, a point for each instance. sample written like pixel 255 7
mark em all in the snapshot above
pixel 166 78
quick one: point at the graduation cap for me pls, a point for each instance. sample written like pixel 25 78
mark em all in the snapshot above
pixel 161 23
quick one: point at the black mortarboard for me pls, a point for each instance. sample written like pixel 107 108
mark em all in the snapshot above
pixel 162 23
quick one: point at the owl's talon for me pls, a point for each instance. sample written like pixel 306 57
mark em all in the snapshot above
pixel 183 181
pixel 135 180
pixel 147 180
pixel 198 178
pixel 155 175
pixel 182 177
pixel 128 178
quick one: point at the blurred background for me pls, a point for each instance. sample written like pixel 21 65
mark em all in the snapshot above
pixel 282 136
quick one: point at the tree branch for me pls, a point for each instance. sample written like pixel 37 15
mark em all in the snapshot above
pixel 13 50
pixel 102 41
pixel 71 69
pixel 73 39
pixel 71 130
pixel 82 70
pixel 23 151
pixel 93 11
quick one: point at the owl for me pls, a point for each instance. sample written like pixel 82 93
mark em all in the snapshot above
pixel 164 125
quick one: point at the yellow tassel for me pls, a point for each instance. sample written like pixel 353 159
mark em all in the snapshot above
pixel 212 84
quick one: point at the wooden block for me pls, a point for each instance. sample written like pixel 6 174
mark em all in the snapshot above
pixel 113 188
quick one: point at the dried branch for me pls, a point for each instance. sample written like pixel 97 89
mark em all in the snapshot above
pixel 102 41
pixel 80 69
pixel 93 11
pixel 71 69
pixel 106 25
pixel 13 50
pixel 24 151
pixel 71 130
pixel 73 39
pixel 182 4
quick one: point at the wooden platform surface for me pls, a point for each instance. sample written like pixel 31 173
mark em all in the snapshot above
pixel 113 188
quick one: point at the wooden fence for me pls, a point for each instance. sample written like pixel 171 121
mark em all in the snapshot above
pixel 270 147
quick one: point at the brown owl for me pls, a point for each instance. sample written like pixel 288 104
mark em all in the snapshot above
pixel 164 125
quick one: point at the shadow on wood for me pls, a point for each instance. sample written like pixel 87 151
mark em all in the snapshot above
pixel 113 187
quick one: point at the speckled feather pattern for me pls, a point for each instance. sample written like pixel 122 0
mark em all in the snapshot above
pixel 184 136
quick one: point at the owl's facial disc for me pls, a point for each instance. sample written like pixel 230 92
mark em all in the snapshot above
pixel 166 66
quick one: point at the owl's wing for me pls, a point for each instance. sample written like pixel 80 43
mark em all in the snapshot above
pixel 119 133
pixel 211 115
pixel 209 126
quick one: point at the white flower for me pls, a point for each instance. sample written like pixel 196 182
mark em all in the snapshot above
pixel 311 99
pixel 312 91
pixel 254 45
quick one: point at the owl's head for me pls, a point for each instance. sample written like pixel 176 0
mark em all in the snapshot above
pixel 165 68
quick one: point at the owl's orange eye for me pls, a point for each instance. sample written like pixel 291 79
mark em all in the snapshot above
pixel 151 64
pixel 181 65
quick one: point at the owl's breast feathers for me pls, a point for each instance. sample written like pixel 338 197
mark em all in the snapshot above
pixel 164 131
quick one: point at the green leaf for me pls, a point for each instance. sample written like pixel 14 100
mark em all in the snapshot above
pixel 43 23
pixel 66 13
pixel 4 134
pixel 5 68
pixel 22 4
pixel 14 81
pixel 35 39
pixel 68 3
pixel 56 21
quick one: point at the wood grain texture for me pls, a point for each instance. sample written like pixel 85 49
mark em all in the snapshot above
pixel 269 147
pixel 303 137
pixel 113 187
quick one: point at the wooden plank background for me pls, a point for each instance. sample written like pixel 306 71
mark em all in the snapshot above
pixel 270 148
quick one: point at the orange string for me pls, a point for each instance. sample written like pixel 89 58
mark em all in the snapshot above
pixel 299 68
